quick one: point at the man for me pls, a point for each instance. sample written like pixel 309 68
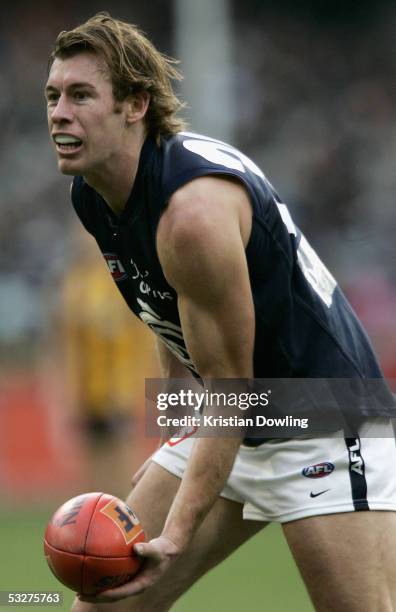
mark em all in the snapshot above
pixel 206 254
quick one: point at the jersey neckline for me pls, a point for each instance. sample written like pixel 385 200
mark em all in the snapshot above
pixel 134 202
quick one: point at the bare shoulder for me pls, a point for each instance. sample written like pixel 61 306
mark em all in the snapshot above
pixel 219 186
pixel 205 224
pixel 201 207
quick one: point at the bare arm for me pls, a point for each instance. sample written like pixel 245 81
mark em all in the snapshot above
pixel 201 244
pixel 217 316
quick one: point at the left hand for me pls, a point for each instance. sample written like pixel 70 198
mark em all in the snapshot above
pixel 159 554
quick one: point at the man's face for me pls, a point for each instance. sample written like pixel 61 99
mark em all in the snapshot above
pixel 86 130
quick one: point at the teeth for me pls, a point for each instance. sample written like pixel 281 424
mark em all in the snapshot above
pixel 63 139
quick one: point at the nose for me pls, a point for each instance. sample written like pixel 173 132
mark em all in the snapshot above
pixel 62 111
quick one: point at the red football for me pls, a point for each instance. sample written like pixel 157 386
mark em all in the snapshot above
pixel 89 543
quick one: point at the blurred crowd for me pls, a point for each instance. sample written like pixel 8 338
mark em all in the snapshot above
pixel 315 108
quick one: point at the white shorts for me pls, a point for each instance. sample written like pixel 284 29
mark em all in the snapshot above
pixel 283 480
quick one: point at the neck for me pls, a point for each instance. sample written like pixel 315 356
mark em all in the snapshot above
pixel 114 182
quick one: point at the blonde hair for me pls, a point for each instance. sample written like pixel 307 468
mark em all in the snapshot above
pixel 135 65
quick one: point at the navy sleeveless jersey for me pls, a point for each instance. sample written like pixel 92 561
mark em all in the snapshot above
pixel 305 327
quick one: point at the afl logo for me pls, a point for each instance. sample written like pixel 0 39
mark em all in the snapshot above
pixel 319 470
pixel 116 268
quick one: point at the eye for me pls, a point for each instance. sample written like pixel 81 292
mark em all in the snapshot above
pixel 80 96
pixel 52 98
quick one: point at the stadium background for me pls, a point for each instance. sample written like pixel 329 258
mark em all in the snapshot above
pixel 305 88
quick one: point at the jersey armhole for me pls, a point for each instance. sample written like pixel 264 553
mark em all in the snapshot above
pixel 182 179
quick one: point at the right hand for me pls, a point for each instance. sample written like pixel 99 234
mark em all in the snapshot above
pixel 159 553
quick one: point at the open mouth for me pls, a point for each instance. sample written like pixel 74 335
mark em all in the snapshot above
pixel 67 144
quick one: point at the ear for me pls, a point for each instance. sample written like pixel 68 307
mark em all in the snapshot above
pixel 137 106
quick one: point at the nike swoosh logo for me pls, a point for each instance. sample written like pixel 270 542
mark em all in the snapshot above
pixel 320 493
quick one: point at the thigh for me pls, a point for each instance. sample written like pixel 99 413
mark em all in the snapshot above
pixel 348 560
pixel 220 534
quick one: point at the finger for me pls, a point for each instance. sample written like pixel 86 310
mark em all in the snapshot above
pixel 147 550
pixel 150 550
pixel 132 588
